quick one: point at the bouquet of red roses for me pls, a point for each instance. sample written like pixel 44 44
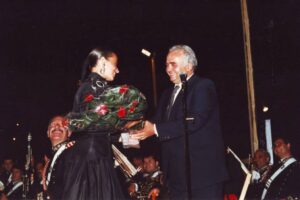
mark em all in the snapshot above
pixel 112 110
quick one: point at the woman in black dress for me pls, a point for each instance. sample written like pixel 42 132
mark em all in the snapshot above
pixel 88 165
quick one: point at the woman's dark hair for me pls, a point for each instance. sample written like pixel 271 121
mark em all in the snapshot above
pixel 92 59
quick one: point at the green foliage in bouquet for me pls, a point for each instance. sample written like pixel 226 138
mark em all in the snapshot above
pixel 112 110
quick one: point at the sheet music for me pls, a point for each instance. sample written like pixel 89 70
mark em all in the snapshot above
pixel 238 159
pixel 248 175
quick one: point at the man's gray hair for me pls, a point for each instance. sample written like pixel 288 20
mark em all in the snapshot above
pixel 188 53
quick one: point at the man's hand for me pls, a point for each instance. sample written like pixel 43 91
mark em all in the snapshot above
pixel 44 178
pixel 132 189
pixel 3 196
pixel 144 133
pixel 153 194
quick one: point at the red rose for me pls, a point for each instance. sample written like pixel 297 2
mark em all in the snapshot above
pixel 121 112
pixel 133 106
pixel 123 89
pixel 65 123
pixel 88 98
pixel 134 103
pixel 101 109
pixel 131 109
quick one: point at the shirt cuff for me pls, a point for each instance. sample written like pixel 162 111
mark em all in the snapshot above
pixel 155 130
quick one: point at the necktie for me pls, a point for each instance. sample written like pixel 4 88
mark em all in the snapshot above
pixel 172 98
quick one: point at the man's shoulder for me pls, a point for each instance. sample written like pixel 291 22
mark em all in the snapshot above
pixel 201 82
pixel 290 170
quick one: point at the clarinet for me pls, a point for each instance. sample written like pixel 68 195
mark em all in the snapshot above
pixel 28 168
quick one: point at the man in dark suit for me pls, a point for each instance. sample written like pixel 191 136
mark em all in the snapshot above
pixel 206 151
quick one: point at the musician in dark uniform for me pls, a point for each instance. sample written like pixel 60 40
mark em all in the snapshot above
pixel 36 186
pixel 151 183
pixel 260 173
pixel 14 189
pixel 58 134
pixel 5 176
pixel 283 182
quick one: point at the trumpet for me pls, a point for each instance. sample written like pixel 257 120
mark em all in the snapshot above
pixel 121 160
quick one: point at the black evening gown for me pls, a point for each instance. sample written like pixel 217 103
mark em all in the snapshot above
pixel 88 165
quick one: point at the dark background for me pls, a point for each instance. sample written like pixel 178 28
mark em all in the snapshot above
pixel 43 45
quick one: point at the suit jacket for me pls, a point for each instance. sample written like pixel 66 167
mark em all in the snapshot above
pixel 205 138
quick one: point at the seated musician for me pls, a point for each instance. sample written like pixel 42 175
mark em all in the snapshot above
pixel 14 189
pixel 59 135
pixel 283 181
pixel 151 184
pixel 260 173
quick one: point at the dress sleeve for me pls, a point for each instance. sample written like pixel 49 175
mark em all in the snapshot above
pixel 81 118
pixel 82 92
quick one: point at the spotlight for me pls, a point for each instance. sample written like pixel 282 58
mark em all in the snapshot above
pixel 146 52
pixel 265 109
pixel 152 59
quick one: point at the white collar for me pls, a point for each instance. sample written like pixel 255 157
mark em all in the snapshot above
pixel 283 160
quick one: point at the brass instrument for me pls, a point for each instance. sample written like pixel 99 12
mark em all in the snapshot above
pixel 128 169
pixel 27 176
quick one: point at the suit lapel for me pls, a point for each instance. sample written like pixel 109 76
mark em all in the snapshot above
pixel 178 100
pixel 166 100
